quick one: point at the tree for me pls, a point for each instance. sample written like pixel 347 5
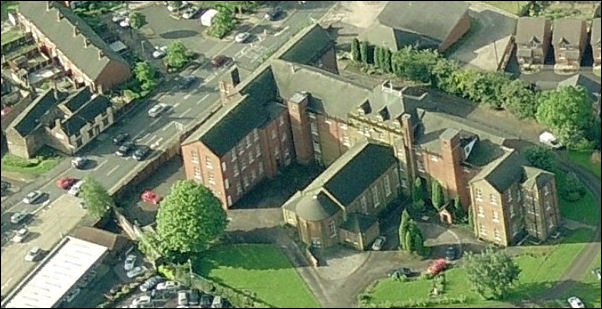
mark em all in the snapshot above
pixel 189 219
pixel 177 55
pixel 418 242
pixel 355 50
pixel 377 57
pixel 97 199
pixel 409 236
pixel 518 99
pixel 403 227
pixel 459 210
pixel 492 274
pixel 442 75
pixel 386 60
pixel 470 219
pixel 572 189
pixel 364 52
pixel 145 75
pixel 568 113
pixel 137 20
pixel 222 23
pixel 436 194
pixel 541 157
pixel 418 195
pixel 176 4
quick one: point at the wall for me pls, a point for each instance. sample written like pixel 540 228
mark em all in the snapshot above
pixel 459 30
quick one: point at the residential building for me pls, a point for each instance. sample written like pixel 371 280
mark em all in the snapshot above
pixel 595 42
pixel 73 45
pixel 569 40
pixel 63 121
pixel 342 204
pixel 533 35
pixel 405 23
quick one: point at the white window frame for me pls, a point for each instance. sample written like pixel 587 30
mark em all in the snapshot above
pixel 283 137
pixel 224 166
pixel 255 135
pixel 248 140
pixel 198 174
pixel 493 199
pixel 495 216
pixel 364 203
pixel 194 156
pixel 387 185
pixel 420 165
pixel 243 164
pixel 208 162
pixel 227 184
pixel 233 154
pixel 238 188
pixel 251 159
pixel 482 230
pixel 253 175
pixel 229 200
pixel 478 194
pixel 274 135
pixel 257 150
pixel 211 178
pixel 245 181
pixel 236 171
pixel 333 228
pixel 281 120
pixel 480 211
pixel 375 197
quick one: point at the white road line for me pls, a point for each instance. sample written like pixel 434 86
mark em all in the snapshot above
pixel 113 170
pixel 185 112
pixel 150 140
pixel 165 127
pixel 210 78
pixel 203 99
pixel 7 282
pixel 177 104
pixel 155 122
pixel 187 96
pixel 99 165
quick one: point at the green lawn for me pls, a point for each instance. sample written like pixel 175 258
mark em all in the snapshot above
pixel 262 269
pixel 8 5
pixel 508 6
pixel 584 210
pixel 583 159
pixel 541 266
pixel 588 289
pixel 34 166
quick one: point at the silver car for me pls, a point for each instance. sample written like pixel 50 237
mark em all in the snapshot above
pixel 242 37
pixel 33 197
pixel 156 110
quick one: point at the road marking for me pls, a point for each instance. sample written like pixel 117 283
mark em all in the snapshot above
pixel 155 122
pixel 203 99
pixel 185 112
pixel 177 104
pixel 150 140
pixel 281 31
pixel 165 127
pixel 99 165
pixel 210 78
pixel 156 144
pixel 187 96
pixel 7 282
pixel 113 170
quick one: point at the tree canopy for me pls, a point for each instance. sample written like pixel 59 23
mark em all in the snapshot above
pixel 403 227
pixel 177 55
pixel 97 199
pixel 223 22
pixel 491 273
pixel 189 219
pixel 145 75
pixel 541 157
pixel 137 20
pixel 437 194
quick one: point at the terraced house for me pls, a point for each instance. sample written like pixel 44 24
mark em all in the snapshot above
pixel 374 141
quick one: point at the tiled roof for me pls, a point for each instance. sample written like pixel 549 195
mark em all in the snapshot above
pixel 86 114
pixel 358 223
pixel 528 28
pixel 568 30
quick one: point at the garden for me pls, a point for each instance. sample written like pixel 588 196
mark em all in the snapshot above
pixel 44 161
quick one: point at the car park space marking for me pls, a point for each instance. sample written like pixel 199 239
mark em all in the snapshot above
pixel 203 99
pixel 185 112
pixel 113 170
pixel 155 121
pixel 165 127
pixel 151 139
pixel 99 165
pixel 156 144
pixel 281 31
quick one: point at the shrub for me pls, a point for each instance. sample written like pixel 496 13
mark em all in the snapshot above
pixel 167 271
pixel 571 188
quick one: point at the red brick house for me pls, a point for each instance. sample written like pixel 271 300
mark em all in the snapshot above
pixel 569 40
pixel 533 36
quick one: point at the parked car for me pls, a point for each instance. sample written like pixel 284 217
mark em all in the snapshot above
pixel 119 16
pixel 141 153
pixel 206 300
pixel 33 197
pixel 79 162
pixel 273 14
pixel 182 298
pixel 596 272
pixel 194 297
pixel 157 110
pixel 72 294
pixel 20 235
pixel 242 37
pixel 168 285
pixel 18 217
pixel 188 81
pixel 150 197
pixel 130 262
pixel 124 149
pixel 550 140
pixel 219 60
pixel 575 302
pixel 378 243
pixel 33 254
pixel 120 138
pixel 403 271
pixel 451 253
pixel 125 23
pixel 190 12
pixel 143 300
pixel 136 271
pixel 160 52
pixel 74 190
pixel 217 302
pixel 65 182
pixel 183 5
pixel 5 187
pixel 436 266
pixel 150 283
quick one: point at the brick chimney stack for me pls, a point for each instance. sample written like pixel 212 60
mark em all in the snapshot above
pixel 300 125
pixel 452 156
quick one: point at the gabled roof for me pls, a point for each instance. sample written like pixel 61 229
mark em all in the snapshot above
pixel 78 99
pixel 427 23
pixel 29 119
pixel 568 31
pixel 86 114
pixel 313 45
pixel 536 177
pixel 502 172
pixel 62 34
pixel 353 172
pixel 358 223
pixel 531 28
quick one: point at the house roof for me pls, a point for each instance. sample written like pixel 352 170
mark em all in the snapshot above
pixel 77 99
pixel 502 172
pixel 358 223
pixel 29 119
pixel 315 206
pixel 353 172
pixel 409 17
pixel 529 28
pixel 536 177
pixel 313 45
pixel 568 30
pixel 595 37
pixel 62 34
pixel 85 114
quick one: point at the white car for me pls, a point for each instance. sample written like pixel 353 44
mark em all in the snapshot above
pixel 575 302
pixel 190 12
pixel 157 110
pixel 159 52
pixel 182 298
pixel 136 271
pixel 21 234
pixel 174 8
pixel 550 140
pixel 378 243
pixel 141 301
pixel 119 16
pixel 33 197
pixel 242 37
pixel 167 285
pixel 18 217
pixel 74 190
pixel 125 23
pixel 33 253
pixel 130 262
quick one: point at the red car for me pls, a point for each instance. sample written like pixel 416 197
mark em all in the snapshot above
pixel 219 60
pixel 66 183
pixel 436 266
pixel 150 196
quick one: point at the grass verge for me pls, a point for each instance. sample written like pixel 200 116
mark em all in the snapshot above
pixel 45 161
pixel 583 159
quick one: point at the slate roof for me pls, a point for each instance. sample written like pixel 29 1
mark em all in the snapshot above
pixel 595 37
pixel 316 206
pixel 502 172
pixel 85 114
pixel 61 33
pixel 529 28
pixel 29 119
pixel 315 42
pixel 568 30
pixel 427 23
pixel 358 223
pixel 535 177
pixel 355 170
pixel 78 99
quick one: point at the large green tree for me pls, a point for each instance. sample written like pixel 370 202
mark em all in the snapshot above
pixel 176 55
pixel 222 23
pixel 145 75
pixel 491 273
pixel 96 198
pixel 518 99
pixel 137 20
pixel 418 195
pixel 567 111
pixel 541 157
pixel 403 227
pixel 189 219
pixel 437 194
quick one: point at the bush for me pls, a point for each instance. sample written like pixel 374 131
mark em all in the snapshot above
pixel 571 188
pixel 167 271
